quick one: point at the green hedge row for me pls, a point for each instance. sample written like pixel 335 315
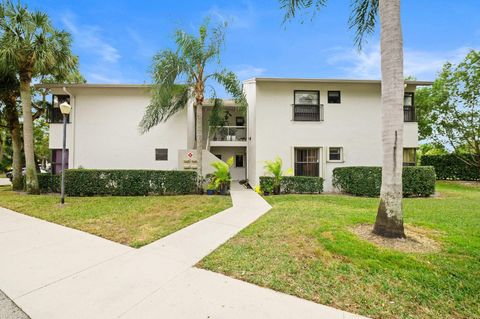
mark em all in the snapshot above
pixel 49 183
pixel 450 166
pixel 367 180
pixel 92 182
pixel 293 184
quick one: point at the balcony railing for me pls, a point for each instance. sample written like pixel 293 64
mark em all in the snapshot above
pixel 228 133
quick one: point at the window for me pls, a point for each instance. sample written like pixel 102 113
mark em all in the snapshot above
pixel 409 108
pixel 306 106
pixel 334 97
pixel 239 160
pixel 306 162
pixel 57 160
pixel 161 154
pixel 409 156
pixel 54 114
pixel 239 121
pixel 335 154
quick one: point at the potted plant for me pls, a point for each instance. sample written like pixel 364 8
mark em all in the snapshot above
pixel 211 189
pixel 274 168
pixel 221 176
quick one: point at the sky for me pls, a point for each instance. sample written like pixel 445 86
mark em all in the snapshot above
pixel 116 39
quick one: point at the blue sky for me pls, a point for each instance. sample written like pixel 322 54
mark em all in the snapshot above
pixel 116 39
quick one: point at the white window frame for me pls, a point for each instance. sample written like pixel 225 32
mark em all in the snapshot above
pixel 341 160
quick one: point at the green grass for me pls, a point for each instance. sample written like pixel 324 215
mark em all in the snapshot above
pixel 303 247
pixel 133 221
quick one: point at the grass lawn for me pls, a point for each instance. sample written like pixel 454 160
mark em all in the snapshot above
pixel 303 247
pixel 134 221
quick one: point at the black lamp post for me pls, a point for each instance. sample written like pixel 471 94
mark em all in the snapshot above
pixel 65 108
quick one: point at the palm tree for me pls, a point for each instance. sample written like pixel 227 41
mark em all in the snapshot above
pixel 389 221
pixel 9 94
pixel 30 45
pixel 182 74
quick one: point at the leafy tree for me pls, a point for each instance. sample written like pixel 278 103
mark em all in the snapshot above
pixel 181 74
pixel 449 111
pixel 389 221
pixel 32 47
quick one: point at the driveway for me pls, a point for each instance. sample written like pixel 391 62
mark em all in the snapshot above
pixel 51 271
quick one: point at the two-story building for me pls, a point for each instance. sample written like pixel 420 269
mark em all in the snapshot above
pixel 313 125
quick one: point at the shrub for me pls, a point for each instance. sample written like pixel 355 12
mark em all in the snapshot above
pixel 293 184
pixel 367 180
pixel 450 166
pixel 91 182
pixel 49 183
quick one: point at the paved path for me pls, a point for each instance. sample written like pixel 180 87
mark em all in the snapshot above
pixel 51 271
pixel 4 181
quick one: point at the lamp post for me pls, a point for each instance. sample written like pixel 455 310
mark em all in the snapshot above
pixel 65 108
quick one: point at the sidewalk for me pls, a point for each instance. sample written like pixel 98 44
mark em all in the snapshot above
pixel 51 271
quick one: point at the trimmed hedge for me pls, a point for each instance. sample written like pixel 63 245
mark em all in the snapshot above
pixel 49 183
pixel 449 166
pixel 367 180
pixel 92 182
pixel 293 184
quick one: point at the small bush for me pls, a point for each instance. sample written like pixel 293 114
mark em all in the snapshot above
pixel 450 166
pixel 293 184
pixel 367 180
pixel 91 182
pixel 49 183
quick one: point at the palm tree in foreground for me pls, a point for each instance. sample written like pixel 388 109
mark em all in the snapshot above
pixel 32 47
pixel 389 221
pixel 182 74
pixel 9 95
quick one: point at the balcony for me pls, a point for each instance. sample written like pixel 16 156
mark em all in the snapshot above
pixel 227 136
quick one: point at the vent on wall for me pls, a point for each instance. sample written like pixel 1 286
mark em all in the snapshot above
pixel 161 154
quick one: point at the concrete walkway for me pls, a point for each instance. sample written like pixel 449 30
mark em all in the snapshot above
pixel 51 271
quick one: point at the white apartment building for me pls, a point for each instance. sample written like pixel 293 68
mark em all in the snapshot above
pixel 313 125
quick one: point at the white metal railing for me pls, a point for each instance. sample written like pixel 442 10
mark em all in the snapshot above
pixel 228 133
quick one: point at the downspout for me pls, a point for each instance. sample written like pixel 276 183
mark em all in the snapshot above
pixel 72 122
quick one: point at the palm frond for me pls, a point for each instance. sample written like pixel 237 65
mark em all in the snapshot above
pixel 165 102
pixel 232 85
pixel 291 7
pixel 363 18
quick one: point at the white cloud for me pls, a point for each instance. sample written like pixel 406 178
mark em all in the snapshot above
pixel 243 18
pixel 245 71
pixel 424 65
pixel 88 37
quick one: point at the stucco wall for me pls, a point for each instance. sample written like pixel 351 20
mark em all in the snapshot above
pixel 104 131
pixel 355 125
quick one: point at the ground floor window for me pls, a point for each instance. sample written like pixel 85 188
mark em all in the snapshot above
pixel 307 162
pixel 409 156
pixel 57 160
pixel 161 154
pixel 335 154
pixel 239 160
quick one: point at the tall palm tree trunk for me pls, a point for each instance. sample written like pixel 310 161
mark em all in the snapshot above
pixel 31 168
pixel 389 221
pixel 14 128
pixel 199 134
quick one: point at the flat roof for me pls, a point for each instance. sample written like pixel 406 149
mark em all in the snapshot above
pixel 90 85
pixel 299 80
pixel 325 80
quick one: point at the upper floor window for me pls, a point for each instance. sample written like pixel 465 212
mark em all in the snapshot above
pixel 409 156
pixel 334 97
pixel 54 115
pixel 409 108
pixel 306 106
